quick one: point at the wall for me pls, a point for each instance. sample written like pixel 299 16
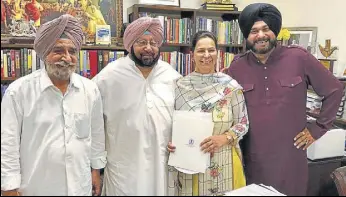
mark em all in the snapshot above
pixel 327 15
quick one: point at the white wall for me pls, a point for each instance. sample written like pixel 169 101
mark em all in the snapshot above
pixel 127 4
pixel 327 15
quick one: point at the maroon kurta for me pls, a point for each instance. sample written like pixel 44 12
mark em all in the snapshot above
pixel 275 95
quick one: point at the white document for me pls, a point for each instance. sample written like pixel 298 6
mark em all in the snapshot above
pixel 189 130
pixel 255 190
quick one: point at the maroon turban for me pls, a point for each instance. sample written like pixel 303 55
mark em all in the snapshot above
pixel 51 31
pixel 137 28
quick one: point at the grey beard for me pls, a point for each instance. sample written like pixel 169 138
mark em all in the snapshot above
pixel 63 73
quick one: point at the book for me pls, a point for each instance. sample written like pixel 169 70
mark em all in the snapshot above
pixel 103 34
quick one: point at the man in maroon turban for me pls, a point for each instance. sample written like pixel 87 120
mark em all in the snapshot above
pixel 275 81
pixel 138 99
pixel 52 130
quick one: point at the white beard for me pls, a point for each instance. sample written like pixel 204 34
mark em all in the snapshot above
pixel 58 72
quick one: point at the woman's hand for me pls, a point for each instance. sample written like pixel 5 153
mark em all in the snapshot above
pixel 213 143
pixel 170 147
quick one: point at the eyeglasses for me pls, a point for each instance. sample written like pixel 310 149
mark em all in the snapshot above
pixel 143 43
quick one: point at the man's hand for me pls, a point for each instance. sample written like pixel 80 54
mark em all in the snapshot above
pixel 96 182
pixel 213 143
pixel 303 139
pixel 10 193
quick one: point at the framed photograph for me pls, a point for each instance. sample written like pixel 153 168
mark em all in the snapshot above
pixel 91 13
pixel 161 2
pixel 305 37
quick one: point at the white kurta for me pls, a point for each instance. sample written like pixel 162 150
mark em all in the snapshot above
pixel 49 141
pixel 138 120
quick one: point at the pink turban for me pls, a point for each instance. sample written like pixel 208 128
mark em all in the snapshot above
pixel 137 28
pixel 48 33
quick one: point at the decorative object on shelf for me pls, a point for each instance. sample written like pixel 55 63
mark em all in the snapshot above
pixel 161 2
pixel 283 37
pixel 327 51
pixel 305 37
pixel 328 63
pixel 22 28
pixel 103 34
pixel 89 12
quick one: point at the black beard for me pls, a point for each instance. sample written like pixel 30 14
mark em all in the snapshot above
pixel 251 46
pixel 141 63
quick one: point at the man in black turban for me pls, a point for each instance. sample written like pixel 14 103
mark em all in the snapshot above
pixel 260 24
pixel 275 81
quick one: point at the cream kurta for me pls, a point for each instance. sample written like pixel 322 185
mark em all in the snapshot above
pixel 138 119
pixel 49 141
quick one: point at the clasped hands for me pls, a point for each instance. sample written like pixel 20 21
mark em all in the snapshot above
pixel 209 145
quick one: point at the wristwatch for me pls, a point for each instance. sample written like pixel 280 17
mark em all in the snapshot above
pixel 229 137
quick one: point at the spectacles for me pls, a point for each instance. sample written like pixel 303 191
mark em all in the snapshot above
pixel 143 43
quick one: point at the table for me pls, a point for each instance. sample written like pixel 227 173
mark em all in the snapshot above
pixel 320 182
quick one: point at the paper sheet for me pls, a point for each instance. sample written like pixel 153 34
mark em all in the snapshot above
pixel 255 190
pixel 189 130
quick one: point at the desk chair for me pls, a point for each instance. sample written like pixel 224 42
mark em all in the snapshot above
pixel 339 178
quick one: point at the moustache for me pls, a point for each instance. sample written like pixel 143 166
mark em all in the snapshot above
pixel 148 54
pixel 64 64
pixel 262 40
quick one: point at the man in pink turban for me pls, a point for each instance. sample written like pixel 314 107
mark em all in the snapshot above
pixel 138 102
pixel 52 127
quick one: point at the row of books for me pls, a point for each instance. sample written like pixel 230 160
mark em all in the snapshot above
pixel 21 62
pixel 176 30
pixel 182 62
pixel 17 63
pixel 227 32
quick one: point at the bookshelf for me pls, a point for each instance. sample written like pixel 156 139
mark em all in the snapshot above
pixel 20 59
pixel 85 47
pixel 180 24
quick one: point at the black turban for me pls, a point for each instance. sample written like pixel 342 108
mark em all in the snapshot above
pixel 260 12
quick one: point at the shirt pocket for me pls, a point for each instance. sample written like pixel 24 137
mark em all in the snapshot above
pixel 249 94
pixel 291 89
pixel 291 82
pixel 82 125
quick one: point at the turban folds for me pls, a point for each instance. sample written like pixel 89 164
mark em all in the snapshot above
pixel 138 27
pixel 51 31
pixel 260 12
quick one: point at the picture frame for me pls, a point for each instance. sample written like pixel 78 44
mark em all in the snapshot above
pixel 89 12
pixel 175 3
pixel 305 37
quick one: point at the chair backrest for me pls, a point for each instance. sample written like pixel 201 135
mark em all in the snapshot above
pixel 339 178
